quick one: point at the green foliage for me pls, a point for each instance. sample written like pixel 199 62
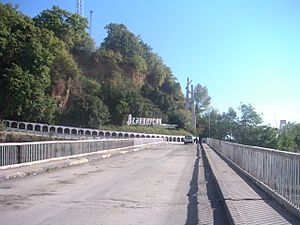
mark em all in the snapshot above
pixel 51 72
pixel 27 55
pixel 91 86
pixel 266 136
pixel 64 66
pixel 135 80
pixel 247 129
pixel 26 99
pixel 249 117
pixel 87 111
pixel 119 39
pixel 202 99
pixel 2 126
pixel 181 118
pixel 296 136
pixel 228 124
pixel 68 27
pixel 157 72
pixel 209 125
pixel 289 138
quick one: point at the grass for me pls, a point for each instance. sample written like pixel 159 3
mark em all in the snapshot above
pixel 10 136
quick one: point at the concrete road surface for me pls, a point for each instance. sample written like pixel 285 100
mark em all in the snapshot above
pixel 164 184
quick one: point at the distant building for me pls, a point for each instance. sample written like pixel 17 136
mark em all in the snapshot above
pixel 282 124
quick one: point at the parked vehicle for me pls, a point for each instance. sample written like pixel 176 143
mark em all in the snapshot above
pixel 188 139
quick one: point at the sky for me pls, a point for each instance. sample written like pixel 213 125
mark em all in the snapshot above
pixel 241 50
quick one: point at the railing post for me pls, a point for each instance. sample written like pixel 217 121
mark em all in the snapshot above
pixel 19 158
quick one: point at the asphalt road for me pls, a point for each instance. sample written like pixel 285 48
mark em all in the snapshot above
pixel 164 184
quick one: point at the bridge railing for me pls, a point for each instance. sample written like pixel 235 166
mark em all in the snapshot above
pixel 14 153
pixel 278 171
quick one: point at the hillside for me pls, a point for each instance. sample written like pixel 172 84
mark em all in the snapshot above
pixel 52 72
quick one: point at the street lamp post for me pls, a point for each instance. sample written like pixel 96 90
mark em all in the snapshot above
pixel 209 124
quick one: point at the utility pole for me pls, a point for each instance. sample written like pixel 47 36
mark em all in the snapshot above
pixel 193 107
pixel 187 98
pixel 190 102
pixel 209 124
pixel 90 27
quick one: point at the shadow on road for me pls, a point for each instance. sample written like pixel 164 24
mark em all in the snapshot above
pixel 219 214
pixel 192 217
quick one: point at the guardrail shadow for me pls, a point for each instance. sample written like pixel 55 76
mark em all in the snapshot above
pixel 192 209
pixel 219 214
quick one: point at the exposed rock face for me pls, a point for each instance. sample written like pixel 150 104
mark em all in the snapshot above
pixel 64 90
pixel 61 92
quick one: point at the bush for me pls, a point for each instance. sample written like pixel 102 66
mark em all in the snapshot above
pixel 2 125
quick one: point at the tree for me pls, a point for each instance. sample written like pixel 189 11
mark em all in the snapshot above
pixel 119 39
pixel 248 116
pixel 208 124
pixel 50 71
pixel 27 54
pixel 289 137
pixel 296 131
pixel 65 75
pixel 68 27
pixel 266 136
pixel 156 73
pixel 135 80
pixel 114 94
pixel 181 118
pixel 86 111
pixel 26 99
pixel 247 125
pixel 202 99
pixel 228 125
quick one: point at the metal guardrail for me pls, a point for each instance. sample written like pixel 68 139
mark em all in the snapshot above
pixel 14 153
pixel 278 170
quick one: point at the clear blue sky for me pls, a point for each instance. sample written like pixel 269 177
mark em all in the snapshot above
pixel 242 50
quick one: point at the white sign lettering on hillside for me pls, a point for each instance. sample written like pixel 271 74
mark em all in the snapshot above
pixel 142 121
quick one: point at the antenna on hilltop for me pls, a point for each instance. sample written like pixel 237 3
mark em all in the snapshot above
pixel 90 27
pixel 80 7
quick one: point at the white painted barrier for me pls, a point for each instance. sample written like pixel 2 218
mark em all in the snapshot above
pixel 277 170
pixel 14 153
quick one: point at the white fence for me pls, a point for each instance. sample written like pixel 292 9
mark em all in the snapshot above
pixel 277 170
pixel 75 133
pixel 13 153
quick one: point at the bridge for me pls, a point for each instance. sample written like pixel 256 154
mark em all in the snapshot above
pixel 156 182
